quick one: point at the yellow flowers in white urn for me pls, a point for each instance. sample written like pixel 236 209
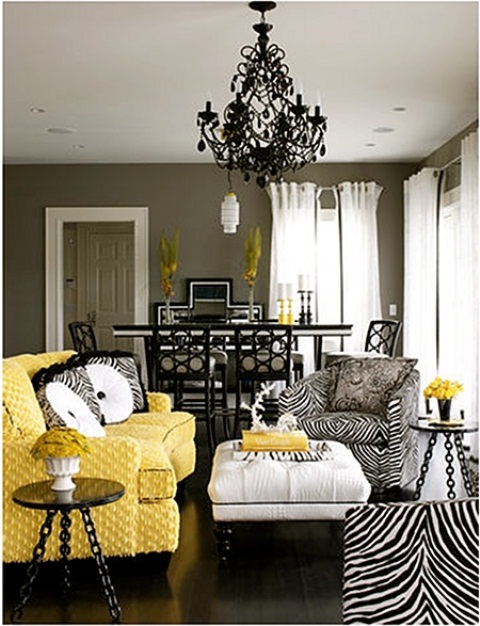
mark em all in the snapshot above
pixel 61 448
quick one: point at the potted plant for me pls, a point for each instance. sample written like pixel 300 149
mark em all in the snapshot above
pixel 252 254
pixel 168 259
pixel 61 448
pixel 443 390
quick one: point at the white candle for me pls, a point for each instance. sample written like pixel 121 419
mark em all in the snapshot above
pixel 289 290
pixel 282 290
pixel 302 282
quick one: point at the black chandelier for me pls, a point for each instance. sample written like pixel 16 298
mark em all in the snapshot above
pixel 264 132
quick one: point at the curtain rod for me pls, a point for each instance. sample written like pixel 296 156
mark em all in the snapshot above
pixel 457 159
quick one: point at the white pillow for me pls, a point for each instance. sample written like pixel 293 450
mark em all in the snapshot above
pixel 67 398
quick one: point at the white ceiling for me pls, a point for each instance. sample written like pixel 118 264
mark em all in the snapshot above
pixel 129 77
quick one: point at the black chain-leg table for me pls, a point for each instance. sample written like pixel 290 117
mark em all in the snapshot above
pixel 90 492
pixel 453 441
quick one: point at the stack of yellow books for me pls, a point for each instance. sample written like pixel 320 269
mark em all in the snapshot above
pixel 271 441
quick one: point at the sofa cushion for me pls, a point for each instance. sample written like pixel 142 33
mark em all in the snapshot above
pixel 67 398
pixel 366 385
pixel 347 427
pixel 116 380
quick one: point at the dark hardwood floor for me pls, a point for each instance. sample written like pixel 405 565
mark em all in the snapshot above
pixel 278 573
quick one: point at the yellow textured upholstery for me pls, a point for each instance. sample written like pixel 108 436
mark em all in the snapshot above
pixel 149 453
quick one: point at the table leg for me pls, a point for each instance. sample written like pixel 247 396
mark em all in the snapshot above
pixel 450 470
pixel 65 550
pixel 318 352
pixel 467 481
pixel 425 465
pixel 107 587
pixel 223 533
pixel 32 570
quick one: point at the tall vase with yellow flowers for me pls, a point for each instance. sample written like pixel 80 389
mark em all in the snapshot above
pixel 443 390
pixel 168 258
pixel 252 254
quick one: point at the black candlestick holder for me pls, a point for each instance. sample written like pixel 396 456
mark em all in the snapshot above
pixel 302 316
pixel 309 310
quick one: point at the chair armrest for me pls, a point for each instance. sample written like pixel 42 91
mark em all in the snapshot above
pixel 159 402
pixel 402 410
pixel 307 397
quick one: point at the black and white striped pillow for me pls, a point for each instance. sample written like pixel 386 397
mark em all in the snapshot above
pixel 67 398
pixel 116 381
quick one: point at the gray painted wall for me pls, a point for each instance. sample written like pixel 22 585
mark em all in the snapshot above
pixel 184 195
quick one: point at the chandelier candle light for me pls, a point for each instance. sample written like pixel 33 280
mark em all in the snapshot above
pixel 264 131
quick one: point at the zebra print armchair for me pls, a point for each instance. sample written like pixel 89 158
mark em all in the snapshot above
pixel 412 563
pixel 367 404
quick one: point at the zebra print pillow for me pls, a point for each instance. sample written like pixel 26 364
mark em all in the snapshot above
pixel 66 396
pixel 366 385
pixel 116 382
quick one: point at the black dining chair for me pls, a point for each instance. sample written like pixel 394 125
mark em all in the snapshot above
pixel 381 339
pixel 184 365
pixel 382 336
pixel 263 354
pixel 83 336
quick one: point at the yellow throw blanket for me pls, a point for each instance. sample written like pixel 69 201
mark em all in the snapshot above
pixel 293 441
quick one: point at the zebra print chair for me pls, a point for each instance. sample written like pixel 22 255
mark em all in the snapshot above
pixel 412 563
pixel 367 404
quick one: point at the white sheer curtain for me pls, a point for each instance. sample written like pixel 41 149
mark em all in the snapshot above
pixel 468 282
pixel 293 246
pixel 360 269
pixel 420 272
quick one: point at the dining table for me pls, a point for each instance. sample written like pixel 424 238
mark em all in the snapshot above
pixel 227 330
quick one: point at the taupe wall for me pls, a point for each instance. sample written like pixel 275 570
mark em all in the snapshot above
pixel 186 195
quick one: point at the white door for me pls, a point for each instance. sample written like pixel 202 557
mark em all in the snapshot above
pixel 106 279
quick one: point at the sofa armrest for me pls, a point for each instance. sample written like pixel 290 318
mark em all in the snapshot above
pixel 159 402
pixel 402 410
pixel 307 397
pixel 111 458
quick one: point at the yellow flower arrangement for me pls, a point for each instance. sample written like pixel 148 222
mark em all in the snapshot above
pixel 442 389
pixel 168 257
pixel 252 253
pixel 60 441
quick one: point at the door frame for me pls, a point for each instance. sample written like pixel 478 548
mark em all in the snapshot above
pixel 55 218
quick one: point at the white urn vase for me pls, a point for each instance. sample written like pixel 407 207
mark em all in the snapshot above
pixel 62 469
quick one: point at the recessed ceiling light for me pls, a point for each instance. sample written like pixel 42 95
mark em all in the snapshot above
pixel 36 110
pixel 370 145
pixel 398 109
pixel 61 130
pixel 383 129
pixel 78 146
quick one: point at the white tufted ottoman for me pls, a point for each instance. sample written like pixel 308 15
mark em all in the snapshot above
pixel 268 490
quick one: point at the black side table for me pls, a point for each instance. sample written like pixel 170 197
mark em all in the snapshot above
pixel 89 492
pixel 453 439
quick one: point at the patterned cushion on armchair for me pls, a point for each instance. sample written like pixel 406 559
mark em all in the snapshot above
pixel 365 384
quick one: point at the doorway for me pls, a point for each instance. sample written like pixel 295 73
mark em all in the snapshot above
pixel 56 218
pixel 98 263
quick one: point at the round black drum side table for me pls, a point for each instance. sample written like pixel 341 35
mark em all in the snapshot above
pixel 90 492
pixel 453 439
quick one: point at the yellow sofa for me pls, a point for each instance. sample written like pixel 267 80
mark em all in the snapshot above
pixel 149 453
